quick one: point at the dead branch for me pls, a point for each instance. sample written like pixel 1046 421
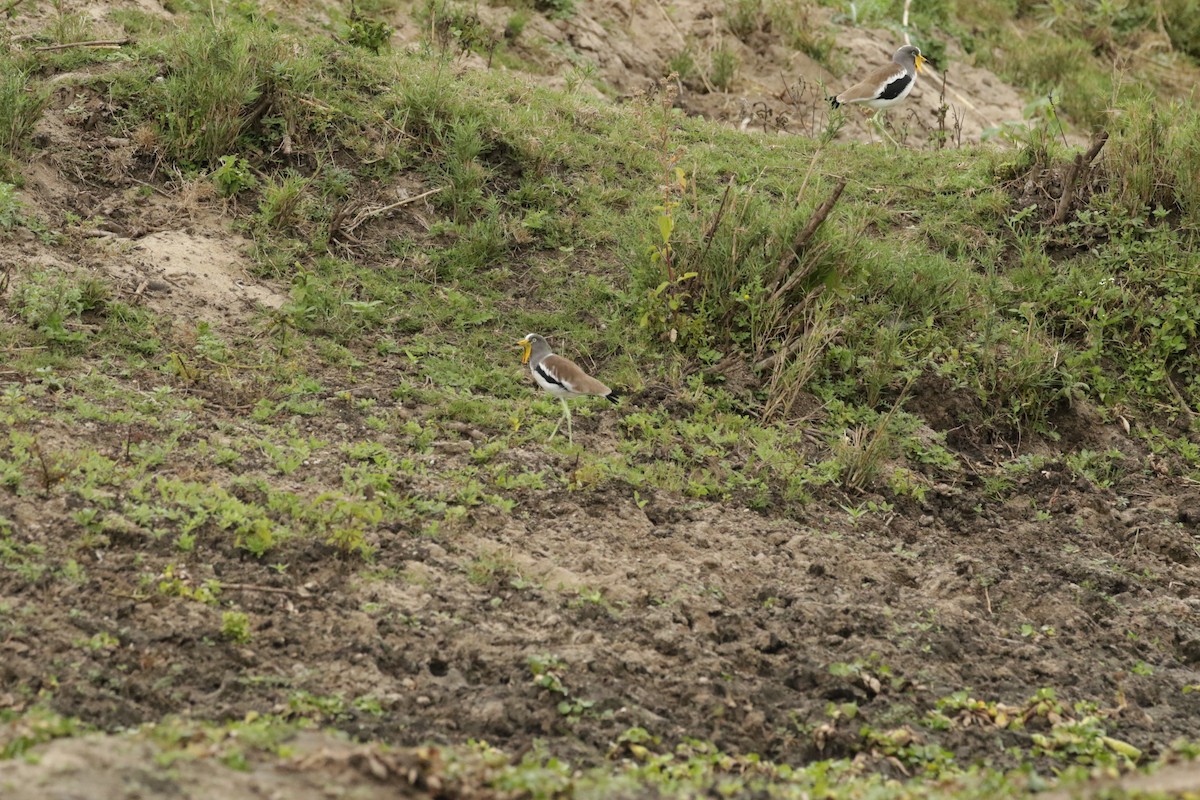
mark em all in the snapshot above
pixel 802 238
pixel 101 43
pixel 260 108
pixel 1081 161
pixel 1094 150
pixel 8 9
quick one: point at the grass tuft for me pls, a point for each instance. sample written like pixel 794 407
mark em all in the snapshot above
pixel 22 102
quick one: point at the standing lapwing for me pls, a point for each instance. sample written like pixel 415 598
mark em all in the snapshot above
pixel 560 377
pixel 886 86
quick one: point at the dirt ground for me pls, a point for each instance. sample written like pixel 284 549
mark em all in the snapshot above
pixel 685 618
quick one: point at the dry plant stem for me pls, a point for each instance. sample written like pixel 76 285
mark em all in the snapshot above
pixel 941 113
pixel 95 43
pixel 150 186
pixel 777 356
pixel 716 223
pixel 797 276
pixel 808 339
pixel 374 212
pixel 796 342
pixel 1183 404
pixel 811 228
pixel 386 122
pixel 969 105
pixel 249 587
pixel 812 164
pixel 1054 110
pixel 671 22
pixel 877 433
pixel 1072 180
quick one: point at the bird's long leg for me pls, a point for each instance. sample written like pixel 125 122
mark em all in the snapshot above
pixel 567 416
pixel 876 118
pixel 567 412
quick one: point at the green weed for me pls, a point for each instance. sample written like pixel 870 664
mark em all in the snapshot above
pixel 235 627
pixel 723 68
pixel 233 176
pixel 370 34
pixel 39 724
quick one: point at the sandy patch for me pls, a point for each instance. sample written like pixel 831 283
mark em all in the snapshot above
pixel 193 276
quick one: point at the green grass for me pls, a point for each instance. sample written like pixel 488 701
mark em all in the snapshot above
pixel 902 279
pixel 21 103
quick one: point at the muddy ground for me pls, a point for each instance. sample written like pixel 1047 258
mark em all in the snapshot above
pixel 686 618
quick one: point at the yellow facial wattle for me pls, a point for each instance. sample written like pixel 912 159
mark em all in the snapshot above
pixel 527 350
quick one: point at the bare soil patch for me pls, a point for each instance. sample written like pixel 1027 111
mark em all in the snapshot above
pixel 633 45
pixel 202 277
pixel 685 618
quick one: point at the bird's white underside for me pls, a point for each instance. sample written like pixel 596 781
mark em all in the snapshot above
pixel 552 388
pixel 879 103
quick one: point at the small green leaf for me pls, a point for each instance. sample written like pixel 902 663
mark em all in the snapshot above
pixel 666 224
pixel 1122 748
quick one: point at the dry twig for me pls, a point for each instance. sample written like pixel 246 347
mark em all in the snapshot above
pixel 249 587
pixel 374 212
pixel 98 43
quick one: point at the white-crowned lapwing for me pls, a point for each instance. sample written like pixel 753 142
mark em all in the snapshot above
pixel 887 85
pixel 560 377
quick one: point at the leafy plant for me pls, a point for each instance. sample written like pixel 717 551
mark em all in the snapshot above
pixel 233 176
pixel 50 302
pixel 370 34
pixel 555 8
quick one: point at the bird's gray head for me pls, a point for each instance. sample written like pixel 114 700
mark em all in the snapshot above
pixel 536 348
pixel 910 58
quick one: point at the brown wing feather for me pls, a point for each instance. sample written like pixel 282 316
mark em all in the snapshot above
pixel 574 378
pixel 872 85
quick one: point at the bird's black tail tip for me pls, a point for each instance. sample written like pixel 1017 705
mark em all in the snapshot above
pixel 613 396
pixel 833 101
